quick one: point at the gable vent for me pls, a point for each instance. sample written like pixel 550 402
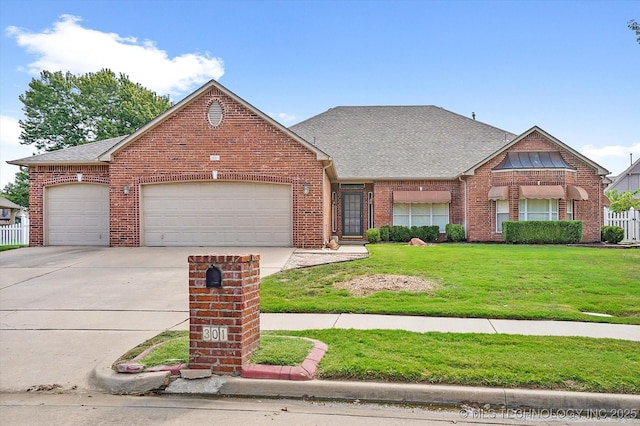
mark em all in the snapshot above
pixel 215 113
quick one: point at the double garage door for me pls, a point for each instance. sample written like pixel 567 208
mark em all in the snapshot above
pixel 216 214
pixel 176 214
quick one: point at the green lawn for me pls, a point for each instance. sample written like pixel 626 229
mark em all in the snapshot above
pixel 474 280
pixel 496 360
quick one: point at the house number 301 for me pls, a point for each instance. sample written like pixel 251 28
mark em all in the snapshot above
pixel 215 334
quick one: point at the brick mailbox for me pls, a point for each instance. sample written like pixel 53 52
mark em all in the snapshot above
pixel 224 311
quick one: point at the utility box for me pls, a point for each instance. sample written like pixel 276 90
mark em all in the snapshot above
pixel 224 311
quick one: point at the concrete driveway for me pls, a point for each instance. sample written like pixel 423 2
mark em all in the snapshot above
pixel 64 310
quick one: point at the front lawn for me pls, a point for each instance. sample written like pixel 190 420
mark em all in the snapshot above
pixel 474 280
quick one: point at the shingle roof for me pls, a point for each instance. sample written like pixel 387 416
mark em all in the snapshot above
pixel 81 154
pixel 401 142
pixel 8 204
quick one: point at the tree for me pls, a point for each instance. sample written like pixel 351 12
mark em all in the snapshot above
pixel 623 202
pixel 634 26
pixel 62 109
pixel 18 191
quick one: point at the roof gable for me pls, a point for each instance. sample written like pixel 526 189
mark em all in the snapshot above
pixel 108 155
pixel 628 180
pixel 600 170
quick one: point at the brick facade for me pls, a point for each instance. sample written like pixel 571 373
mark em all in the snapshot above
pixel 481 211
pixel 235 307
pixel 42 177
pixel 246 146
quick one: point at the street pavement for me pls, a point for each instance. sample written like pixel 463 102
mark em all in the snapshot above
pixel 66 313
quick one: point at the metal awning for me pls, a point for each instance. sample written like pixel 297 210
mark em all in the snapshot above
pixel 541 192
pixel 499 193
pixel 576 193
pixel 418 197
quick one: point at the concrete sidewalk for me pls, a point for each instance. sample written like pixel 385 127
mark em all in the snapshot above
pixel 421 324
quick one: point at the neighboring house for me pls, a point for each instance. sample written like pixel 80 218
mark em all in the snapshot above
pixel 215 171
pixel 8 211
pixel 627 181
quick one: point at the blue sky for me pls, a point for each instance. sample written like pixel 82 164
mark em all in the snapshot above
pixel 570 67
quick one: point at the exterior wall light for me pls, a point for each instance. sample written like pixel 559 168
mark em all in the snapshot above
pixel 126 189
pixel 305 189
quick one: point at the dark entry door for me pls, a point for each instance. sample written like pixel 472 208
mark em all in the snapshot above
pixel 352 214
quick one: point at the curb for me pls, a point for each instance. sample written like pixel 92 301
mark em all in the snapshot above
pixel 103 377
pixel 604 405
pixel 398 393
pixel 306 371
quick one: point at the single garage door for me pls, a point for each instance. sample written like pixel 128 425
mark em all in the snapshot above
pixel 77 215
pixel 217 214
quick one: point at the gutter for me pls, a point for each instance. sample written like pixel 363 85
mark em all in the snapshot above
pixel 465 204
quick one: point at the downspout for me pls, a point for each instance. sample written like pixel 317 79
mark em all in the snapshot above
pixel 465 205
pixel 325 241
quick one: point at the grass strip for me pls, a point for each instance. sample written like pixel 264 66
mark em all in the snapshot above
pixel 172 348
pixel 494 360
pixel 474 280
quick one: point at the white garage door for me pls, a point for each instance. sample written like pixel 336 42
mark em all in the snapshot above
pixel 216 214
pixel 77 215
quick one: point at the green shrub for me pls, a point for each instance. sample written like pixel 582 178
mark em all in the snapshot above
pixel 403 234
pixel 384 232
pixel 400 234
pixel 542 232
pixel 429 233
pixel 373 235
pixel 454 232
pixel 612 234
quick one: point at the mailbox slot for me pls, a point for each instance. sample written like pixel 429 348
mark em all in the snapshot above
pixel 214 277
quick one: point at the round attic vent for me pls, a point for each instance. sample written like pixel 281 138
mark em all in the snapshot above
pixel 215 113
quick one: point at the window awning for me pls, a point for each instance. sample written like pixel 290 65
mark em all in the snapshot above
pixel 499 193
pixel 541 192
pixel 417 197
pixel 576 193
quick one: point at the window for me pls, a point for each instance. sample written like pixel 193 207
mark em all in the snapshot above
pixel 215 113
pixel 569 209
pixel 421 215
pixel 502 213
pixel 534 209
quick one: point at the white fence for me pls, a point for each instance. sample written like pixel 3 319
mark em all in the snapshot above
pixel 629 221
pixel 15 234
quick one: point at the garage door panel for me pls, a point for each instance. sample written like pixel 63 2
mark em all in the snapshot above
pixel 77 214
pixel 216 214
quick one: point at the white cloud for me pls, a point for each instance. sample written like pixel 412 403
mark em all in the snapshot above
pixel 613 157
pixel 68 46
pixel 10 148
pixel 284 117
pixel 9 130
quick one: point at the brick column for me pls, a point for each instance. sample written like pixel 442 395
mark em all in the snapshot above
pixel 224 321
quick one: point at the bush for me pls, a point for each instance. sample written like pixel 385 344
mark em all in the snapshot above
pixel 403 234
pixel 384 232
pixel 454 232
pixel 542 232
pixel 400 234
pixel 612 234
pixel 373 235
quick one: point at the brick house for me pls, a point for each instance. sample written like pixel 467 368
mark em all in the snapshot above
pixel 215 171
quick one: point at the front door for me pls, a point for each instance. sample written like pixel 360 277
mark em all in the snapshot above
pixel 352 214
